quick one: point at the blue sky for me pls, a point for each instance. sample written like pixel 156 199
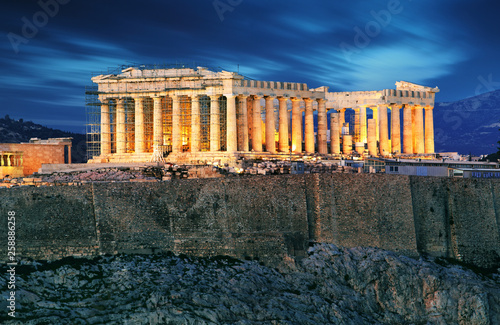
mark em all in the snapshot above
pixel 50 48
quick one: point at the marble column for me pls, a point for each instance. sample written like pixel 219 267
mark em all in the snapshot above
pixel 334 133
pixel 120 126
pixel 195 123
pixel 296 126
pixel 309 126
pixel 270 125
pixel 362 125
pixel 105 129
pixel 250 121
pixel 283 125
pixel 140 144
pixel 256 125
pixel 157 123
pixel 419 130
pixel 322 127
pixel 356 135
pixel 214 123
pixel 395 129
pixel 347 144
pixel 176 124
pixel 407 130
pixel 244 118
pixel 429 129
pixel 376 118
pixel 232 128
pixel 341 118
pixel 383 131
pixel 372 138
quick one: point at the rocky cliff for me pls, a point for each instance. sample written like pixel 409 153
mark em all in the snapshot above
pixel 331 285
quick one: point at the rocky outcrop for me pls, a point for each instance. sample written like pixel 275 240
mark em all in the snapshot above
pixel 331 286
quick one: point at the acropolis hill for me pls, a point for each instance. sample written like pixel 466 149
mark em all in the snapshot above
pixel 195 114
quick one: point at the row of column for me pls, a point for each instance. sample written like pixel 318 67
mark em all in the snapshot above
pixel 254 132
pixel 418 137
pixel 296 121
pixel 11 160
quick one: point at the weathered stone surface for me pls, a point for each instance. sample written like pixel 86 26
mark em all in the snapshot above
pixel 268 217
pixel 331 286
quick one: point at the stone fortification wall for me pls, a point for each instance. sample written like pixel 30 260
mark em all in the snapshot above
pixel 457 218
pixel 269 218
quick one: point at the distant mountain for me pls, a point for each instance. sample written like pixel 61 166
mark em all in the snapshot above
pixel 468 125
pixel 16 131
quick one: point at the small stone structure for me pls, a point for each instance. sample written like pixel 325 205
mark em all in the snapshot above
pixel 33 154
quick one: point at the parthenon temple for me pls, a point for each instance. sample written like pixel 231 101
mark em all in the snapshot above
pixel 192 114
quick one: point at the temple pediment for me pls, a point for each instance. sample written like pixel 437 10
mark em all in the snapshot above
pixel 405 85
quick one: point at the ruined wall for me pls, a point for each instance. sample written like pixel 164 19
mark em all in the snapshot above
pixel 457 218
pixel 371 210
pixel 266 217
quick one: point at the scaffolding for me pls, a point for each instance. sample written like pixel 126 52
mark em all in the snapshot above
pixel 93 121
pixel 126 105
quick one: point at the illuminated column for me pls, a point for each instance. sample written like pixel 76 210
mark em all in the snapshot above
pixel 341 117
pixel 356 135
pixel 176 125
pixel 322 127
pixel 232 128
pixel 296 126
pixel 347 144
pixel 376 118
pixel 309 126
pixel 383 131
pixel 105 129
pixel 250 120
pixel 214 123
pixel 395 130
pixel 120 126
pixel 419 130
pixel 157 123
pixel 270 125
pixel 334 133
pixel 407 130
pixel 244 117
pixel 429 130
pixel 283 125
pixel 195 123
pixel 139 125
pixel 256 125
pixel 372 138
pixel 8 160
pixel 362 124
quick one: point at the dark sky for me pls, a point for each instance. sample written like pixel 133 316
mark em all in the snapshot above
pixel 49 52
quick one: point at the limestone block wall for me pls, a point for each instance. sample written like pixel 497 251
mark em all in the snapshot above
pixel 457 218
pixel 371 210
pixel 51 222
pixel 270 218
pixel 208 217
